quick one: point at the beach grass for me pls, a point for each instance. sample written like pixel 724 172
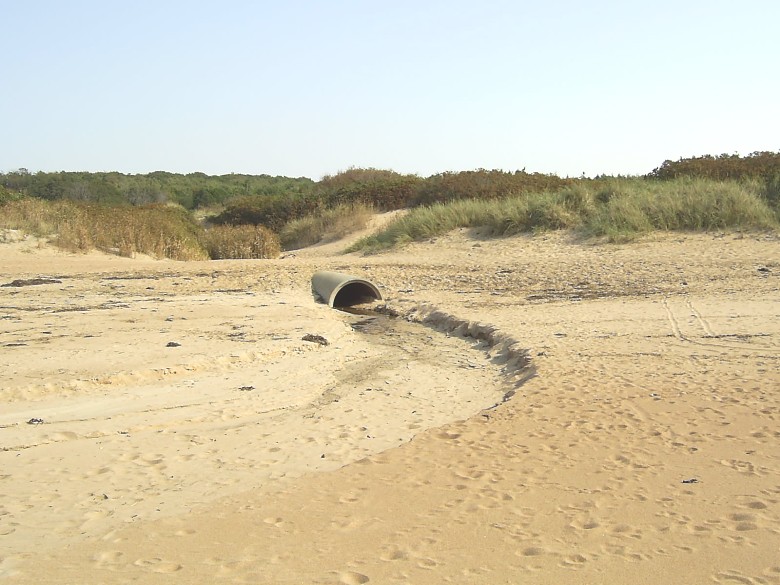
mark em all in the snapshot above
pixel 613 209
pixel 160 231
pixel 327 226
pixel 628 209
pixel 616 209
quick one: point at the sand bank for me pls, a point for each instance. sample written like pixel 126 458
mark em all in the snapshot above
pixel 189 433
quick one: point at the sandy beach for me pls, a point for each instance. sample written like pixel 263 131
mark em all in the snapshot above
pixel 542 410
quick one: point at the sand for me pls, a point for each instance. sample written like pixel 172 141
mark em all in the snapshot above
pixel 544 410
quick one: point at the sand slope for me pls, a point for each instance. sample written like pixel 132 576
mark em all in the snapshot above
pixel 640 445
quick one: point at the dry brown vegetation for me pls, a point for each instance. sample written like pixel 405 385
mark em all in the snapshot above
pixel 243 241
pixel 328 226
pixel 160 231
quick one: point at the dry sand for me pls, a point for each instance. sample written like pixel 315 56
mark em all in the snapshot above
pixel 545 411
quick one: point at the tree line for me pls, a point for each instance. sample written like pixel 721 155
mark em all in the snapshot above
pixel 756 165
pixel 191 191
pixel 272 201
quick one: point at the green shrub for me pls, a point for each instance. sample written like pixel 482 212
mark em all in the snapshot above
pixel 484 184
pixel 272 212
pixel 193 190
pixel 724 167
pixel 7 195
pixel 380 189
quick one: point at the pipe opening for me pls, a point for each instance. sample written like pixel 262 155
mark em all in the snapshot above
pixel 355 293
pixel 342 290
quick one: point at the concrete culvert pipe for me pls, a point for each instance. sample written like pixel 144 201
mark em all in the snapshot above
pixel 343 290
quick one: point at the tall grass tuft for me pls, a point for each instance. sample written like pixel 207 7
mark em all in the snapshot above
pixel 618 209
pixel 241 241
pixel 502 217
pixel 158 230
pixel 636 207
pixel 33 216
pixel 770 191
pixel 326 226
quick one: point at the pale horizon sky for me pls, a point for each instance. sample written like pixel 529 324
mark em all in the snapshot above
pixel 309 88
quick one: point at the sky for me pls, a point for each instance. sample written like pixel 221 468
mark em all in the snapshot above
pixel 307 88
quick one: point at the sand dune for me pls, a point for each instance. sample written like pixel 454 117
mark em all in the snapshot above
pixel 544 411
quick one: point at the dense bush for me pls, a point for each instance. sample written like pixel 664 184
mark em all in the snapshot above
pixel 272 212
pixel 483 184
pixel 7 195
pixel 760 165
pixel 193 190
pixel 379 189
pixel 383 190
pixel 245 242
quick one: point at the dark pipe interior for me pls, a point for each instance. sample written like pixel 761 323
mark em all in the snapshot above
pixel 354 293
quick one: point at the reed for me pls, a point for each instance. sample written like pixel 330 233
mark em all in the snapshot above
pixel 161 231
pixel 241 242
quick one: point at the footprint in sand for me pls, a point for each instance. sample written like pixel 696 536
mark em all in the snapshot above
pixel 394 555
pixel 62 436
pixel 158 565
pixel 274 521
pixel 587 525
pixel 737 465
pixel 532 551
pixel 151 459
pixel 427 563
pixel 575 561
pixel 755 505
pixel 735 577
pixel 743 522
pixel 448 436
pixel 352 578
pixel 107 558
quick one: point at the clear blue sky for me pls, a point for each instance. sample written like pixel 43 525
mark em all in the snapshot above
pixel 307 88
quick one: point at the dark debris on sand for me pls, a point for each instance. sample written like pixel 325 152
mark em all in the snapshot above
pixel 19 282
